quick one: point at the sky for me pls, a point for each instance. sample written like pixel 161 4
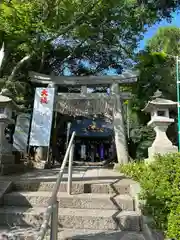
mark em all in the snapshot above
pixel 152 30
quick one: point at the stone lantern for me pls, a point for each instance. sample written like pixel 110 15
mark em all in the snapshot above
pixel 6 157
pixel 159 108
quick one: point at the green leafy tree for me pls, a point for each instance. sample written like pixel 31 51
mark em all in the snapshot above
pixel 85 37
pixel 156 71
pixel 156 67
pixel 99 31
pixel 167 40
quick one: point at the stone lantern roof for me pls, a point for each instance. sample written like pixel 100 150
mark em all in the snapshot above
pixel 159 102
pixel 5 99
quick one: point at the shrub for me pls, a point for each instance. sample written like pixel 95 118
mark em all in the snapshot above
pixel 133 169
pixel 160 188
pixel 174 220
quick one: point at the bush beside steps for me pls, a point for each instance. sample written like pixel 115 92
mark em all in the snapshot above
pixel 160 190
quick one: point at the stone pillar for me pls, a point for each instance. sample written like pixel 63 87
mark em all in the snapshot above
pixel 6 156
pixel 5 147
pixel 83 89
pixel 119 128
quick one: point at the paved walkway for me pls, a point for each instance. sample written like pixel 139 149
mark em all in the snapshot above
pixel 79 173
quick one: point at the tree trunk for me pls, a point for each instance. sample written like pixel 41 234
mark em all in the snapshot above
pixel 18 65
pixel 1 55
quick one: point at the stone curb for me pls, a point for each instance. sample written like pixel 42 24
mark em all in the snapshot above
pixel 6 188
pixel 135 190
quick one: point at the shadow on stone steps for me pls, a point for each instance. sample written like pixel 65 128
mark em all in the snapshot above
pixel 30 234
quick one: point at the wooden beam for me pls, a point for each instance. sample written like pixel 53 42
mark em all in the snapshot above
pixel 71 96
pixel 125 78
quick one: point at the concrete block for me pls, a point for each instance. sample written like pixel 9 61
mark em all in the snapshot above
pixel 5 187
pixel 7 169
pixel 153 150
pixel 7 159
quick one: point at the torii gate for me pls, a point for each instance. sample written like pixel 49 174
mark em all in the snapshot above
pixel 105 102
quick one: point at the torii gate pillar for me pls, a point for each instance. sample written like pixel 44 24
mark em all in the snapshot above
pixel 119 128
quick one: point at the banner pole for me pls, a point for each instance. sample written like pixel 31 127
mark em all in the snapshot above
pixel 178 99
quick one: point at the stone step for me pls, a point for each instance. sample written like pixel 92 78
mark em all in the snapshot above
pixel 7 169
pixel 96 219
pixel 87 201
pixel 78 234
pixel 78 174
pixel 121 186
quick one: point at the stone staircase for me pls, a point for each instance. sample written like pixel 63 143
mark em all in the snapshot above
pixel 98 209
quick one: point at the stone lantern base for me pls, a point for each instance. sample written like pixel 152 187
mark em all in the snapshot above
pixel 161 145
pixel 154 150
pixel 7 159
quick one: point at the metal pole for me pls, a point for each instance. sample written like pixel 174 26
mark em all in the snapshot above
pixel 53 197
pixel 47 156
pixel 54 222
pixel 178 98
pixel 127 115
pixel 29 134
pixel 68 132
pixel 71 155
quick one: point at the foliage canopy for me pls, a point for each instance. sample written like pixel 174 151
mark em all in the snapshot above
pixel 57 35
